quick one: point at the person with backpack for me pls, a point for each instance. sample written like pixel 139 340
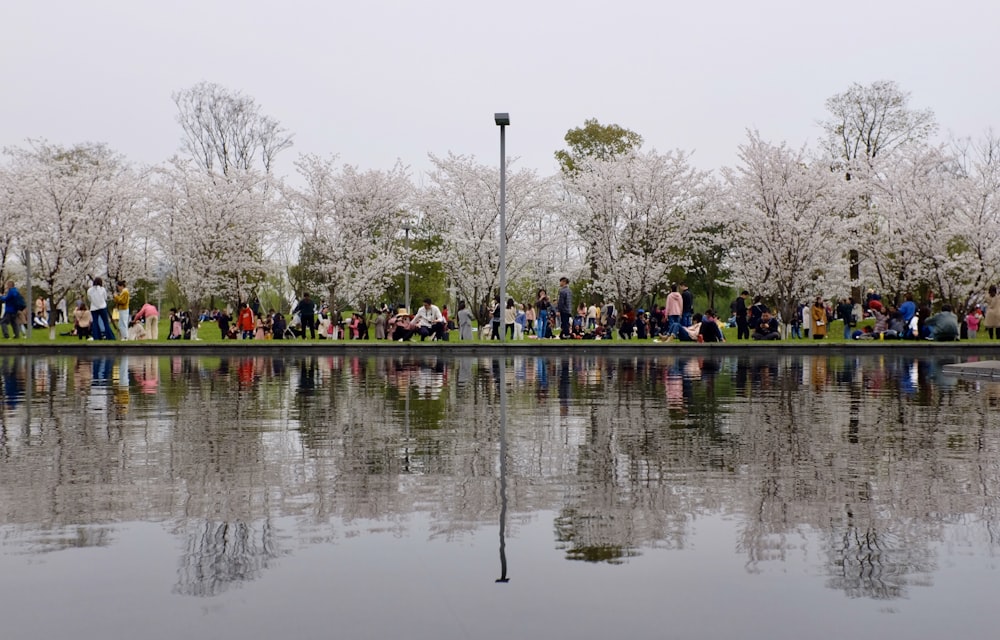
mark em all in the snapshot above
pixel 13 303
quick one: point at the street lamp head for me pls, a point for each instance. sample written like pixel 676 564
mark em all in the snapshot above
pixel 502 119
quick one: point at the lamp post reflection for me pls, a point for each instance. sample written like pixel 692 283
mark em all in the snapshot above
pixel 502 378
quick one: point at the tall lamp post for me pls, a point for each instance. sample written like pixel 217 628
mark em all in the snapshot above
pixel 503 121
pixel 406 276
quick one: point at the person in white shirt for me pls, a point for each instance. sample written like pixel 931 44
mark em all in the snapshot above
pixel 100 325
pixel 429 320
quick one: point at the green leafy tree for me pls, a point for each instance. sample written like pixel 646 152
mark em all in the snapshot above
pixel 597 141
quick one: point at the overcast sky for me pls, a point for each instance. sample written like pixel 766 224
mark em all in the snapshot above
pixel 374 81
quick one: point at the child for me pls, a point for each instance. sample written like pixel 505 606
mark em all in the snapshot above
pixel 972 321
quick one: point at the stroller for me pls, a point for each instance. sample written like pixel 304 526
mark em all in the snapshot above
pixel 294 328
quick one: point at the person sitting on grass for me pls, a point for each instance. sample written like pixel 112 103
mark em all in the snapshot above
pixel 767 328
pixel 710 331
pixel 401 327
pixel 684 334
pixel 942 326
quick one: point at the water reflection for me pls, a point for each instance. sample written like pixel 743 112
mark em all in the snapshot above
pixel 875 463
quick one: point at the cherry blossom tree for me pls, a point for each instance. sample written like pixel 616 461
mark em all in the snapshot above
pixel 461 207
pixel 785 233
pixel 348 221
pixel 215 207
pixel 212 229
pixel 69 208
pixel 929 230
pixel 636 211
pixel 226 131
pixel 868 123
pixel 979 211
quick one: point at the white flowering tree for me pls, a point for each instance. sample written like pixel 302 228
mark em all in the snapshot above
pixel 978 212
pixel 636 211
pixel 226 131
pixel 869 123
pixel 925 238
pixel 785 233
pixel 69 208
pixel 216 208
pixel 347 224
pixel 212 229
pixel 461 206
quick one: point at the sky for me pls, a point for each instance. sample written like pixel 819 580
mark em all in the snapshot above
pixel 377 81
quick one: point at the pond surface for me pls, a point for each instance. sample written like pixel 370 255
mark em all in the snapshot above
pixel 550 497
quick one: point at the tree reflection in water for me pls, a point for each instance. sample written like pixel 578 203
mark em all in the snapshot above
pixel 878 459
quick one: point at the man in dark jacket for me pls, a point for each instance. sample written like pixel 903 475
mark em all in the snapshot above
pixel 740 309
pixel 306 309
pixel 564 306
pixel 688 309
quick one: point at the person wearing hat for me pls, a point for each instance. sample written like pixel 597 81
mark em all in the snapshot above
pixel 400 326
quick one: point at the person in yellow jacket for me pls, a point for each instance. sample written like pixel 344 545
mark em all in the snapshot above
pixel 819 319
pixel 121 306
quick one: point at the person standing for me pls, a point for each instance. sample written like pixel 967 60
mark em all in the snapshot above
pixel 464 321
pixel 818 317
pixel 121 300
pixel 245 322
pixel 688 307
pixel 674 309
pixel 542 306
pixel 149 315
pixel 13 303
pixel 509 317
pixel 845 311
pixel 100 324
pixel 564 305
pixel 972 321
pixel 740 309
pixel 992 319
pixel 306 309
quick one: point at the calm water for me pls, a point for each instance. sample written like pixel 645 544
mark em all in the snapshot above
pixel 581 497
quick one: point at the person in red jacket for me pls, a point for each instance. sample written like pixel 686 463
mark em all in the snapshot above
pixel 245 321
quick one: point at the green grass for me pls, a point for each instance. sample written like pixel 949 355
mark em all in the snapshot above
pixel 208 333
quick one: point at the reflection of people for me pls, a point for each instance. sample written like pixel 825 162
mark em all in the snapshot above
pixel 942 326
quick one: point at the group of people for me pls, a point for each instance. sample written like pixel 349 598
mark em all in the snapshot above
pixel 95 319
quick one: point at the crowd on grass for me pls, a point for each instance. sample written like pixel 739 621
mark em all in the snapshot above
pixel 108 315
